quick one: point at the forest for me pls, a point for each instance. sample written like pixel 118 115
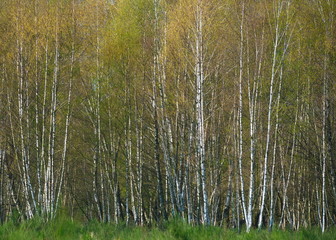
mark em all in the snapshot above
pixel 218 112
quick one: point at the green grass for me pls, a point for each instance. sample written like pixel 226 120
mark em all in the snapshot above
pixel 65 229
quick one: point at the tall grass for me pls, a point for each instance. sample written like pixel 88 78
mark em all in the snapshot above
pixel 63 228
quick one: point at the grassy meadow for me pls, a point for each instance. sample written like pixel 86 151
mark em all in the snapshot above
pixel 66 229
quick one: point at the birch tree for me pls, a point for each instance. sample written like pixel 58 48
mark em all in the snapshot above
pixel 279 8
pixel 199 72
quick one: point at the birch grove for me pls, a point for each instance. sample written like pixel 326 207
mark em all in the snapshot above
pixel 216 112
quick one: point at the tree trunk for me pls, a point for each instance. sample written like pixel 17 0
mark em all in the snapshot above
pixel 199 109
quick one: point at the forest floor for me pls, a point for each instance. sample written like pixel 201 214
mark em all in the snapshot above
pixel 65 229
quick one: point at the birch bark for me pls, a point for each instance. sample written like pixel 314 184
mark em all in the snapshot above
pixel 199 71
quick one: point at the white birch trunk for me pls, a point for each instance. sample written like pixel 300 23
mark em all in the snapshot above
pixel 187 178
pixel 269 115
pixel 240 123
pixel 43 135
pixel 68 115
pixel 139 168
pixel 324 143
pixel 52 136
pixel 200 108
pixel 286 182
pixel 271 215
